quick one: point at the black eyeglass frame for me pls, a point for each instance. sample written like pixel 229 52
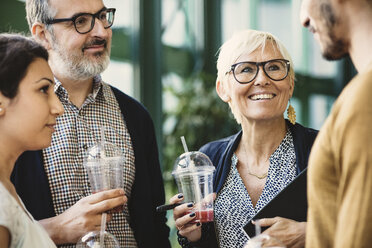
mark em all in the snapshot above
pixel 94 16
pixel 258 64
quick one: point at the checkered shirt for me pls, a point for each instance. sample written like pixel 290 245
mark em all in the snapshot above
pixel 76 130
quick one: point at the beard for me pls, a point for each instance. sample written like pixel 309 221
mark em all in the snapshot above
pixel 334 47
pixel 77 66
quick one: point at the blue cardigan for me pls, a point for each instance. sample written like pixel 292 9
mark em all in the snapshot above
pixel 149 226
pixel 220 152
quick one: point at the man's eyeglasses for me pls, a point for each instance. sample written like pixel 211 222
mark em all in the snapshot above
pixel 84 22
pixel 246 72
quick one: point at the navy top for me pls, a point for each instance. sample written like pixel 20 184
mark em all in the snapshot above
pixel 221 152
pixel 149 226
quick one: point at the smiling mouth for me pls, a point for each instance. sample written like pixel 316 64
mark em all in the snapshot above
pixel 96 43
pixel 262 97
pixel 93 48
pixel 96 46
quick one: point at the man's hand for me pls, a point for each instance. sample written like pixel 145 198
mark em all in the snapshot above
pixel 83 217
pixel 290 232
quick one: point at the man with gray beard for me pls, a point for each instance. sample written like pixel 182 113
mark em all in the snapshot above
pixel 340 163
pixel 53 183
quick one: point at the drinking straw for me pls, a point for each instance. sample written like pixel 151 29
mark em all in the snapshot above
pixel 104 215
pixel 192 168
pixel 188 159
pixel 102 231
pixel 102 146
pixel 184 144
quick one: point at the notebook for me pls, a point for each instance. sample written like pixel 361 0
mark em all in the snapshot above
pixel 290 203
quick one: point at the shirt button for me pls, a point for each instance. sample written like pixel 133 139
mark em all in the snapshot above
pixel 85 146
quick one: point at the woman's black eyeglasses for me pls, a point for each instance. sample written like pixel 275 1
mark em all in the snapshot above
pixel 246 72
pixel 84 22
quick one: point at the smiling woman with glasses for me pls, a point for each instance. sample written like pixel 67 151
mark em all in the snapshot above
pixel 256 78
pixel 84 22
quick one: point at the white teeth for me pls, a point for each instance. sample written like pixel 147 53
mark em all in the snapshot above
pixel 262 96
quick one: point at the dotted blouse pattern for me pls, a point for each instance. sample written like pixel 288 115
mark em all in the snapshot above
pixel 233 205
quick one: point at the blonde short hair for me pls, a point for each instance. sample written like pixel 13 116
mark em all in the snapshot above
pixel 246 42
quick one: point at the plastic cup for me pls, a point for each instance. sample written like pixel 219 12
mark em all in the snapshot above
pixel 193 172
pixel 104 164
pixel 105 173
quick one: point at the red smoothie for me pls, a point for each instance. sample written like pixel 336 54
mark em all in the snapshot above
pixel 202 216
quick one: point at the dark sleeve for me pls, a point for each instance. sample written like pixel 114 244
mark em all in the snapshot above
pixel 149 226
pixel 32 186
pixel 303 140
pixel 157 191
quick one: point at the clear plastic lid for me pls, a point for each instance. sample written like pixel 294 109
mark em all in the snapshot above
pixel 103 150
pixel 190 162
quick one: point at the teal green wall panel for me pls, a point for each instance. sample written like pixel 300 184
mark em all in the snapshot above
pixel 13 16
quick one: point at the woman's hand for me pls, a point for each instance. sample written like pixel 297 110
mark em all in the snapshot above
pixel 183 216
pixel 290 232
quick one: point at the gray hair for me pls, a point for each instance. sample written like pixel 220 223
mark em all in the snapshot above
pixel 39 11
pixel 246 42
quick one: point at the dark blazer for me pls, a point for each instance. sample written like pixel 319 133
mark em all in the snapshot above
pixel 220 152
pixel 150 229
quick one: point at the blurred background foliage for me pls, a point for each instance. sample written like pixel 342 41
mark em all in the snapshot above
pixel 199 115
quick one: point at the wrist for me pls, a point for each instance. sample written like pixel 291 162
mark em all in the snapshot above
pixel 51 225
pixel 203 241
